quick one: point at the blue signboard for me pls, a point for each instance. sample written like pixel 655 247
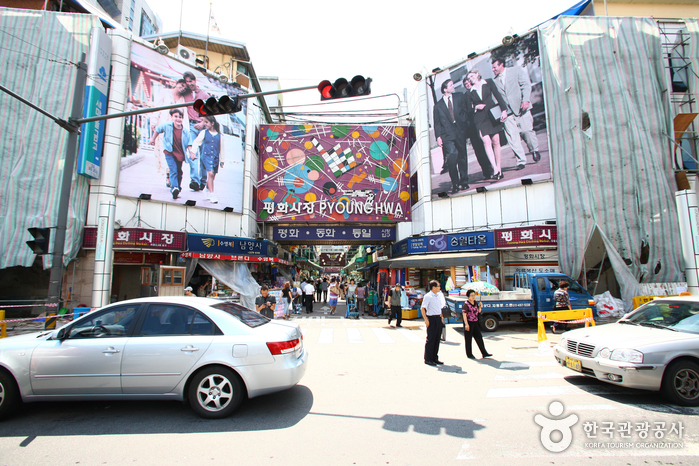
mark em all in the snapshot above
pixel 347 233
pixel 227 245
pixel 97 87
pixel 468 241
pixel 400 248
pixel 418 245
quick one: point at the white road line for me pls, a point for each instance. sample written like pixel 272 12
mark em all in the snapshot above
pixel 353 335
pixel 528 376
pixel 325 337
pixel 410 335
pixel 555 390
pixel 548 354
pixel 382 335
pixel 527 365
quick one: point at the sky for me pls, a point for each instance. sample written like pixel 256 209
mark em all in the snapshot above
pixel 305 42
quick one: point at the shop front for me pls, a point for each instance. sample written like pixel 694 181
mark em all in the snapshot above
pixel 531 249
pixel 144 261
pixel 230 267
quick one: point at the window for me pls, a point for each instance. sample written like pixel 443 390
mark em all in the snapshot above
pixel 172 276
pixel 147 26
pixel 246 316
pixel 171 319
pixel 114 322
pixel 541 284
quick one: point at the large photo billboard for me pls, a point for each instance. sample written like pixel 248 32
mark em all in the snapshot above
pixel 333 173
pixel 178 155
pixel 488 121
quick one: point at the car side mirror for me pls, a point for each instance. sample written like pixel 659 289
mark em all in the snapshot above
pixel 62 334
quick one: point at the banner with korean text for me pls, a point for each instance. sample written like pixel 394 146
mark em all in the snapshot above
pixel 333 173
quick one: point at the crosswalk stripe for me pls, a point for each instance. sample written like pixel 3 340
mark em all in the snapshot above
pixel 325 337
pixel 410 335
pixel 527 365
pixel 555 390
pixel 529 376
pixel 530 355
pixel 353 335
pixel 382 335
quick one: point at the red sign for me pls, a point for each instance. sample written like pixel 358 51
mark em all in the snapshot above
pixel 122 257
pixel 140 238
pixel 526 236
pixel 228 257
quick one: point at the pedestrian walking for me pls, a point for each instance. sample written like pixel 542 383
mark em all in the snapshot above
pixel 334 294
pixel 394 301
pixel 286 295
pixel 561 302
pixel 432 305
pixel 319 290
pixel 265 302
pixel 361 298
pixel 308 297
pixel 324 286
pixel 471 312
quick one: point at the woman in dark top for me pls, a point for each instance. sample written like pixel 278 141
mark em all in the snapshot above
pixel 286 295
pixel 471 311
pixel 561 301
pixel 485 96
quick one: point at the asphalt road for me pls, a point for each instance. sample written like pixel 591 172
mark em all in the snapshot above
pixel 368 398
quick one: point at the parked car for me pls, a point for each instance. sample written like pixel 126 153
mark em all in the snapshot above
pixel 655 347
pixel 209 352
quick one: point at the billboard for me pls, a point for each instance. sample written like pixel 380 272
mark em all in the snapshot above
pixel 333 173
pixel 178 155
pixel 488 121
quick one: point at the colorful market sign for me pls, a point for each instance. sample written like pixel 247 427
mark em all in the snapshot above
pixel 231 257
pixel 526 236
pixel 349 233
pixel 333 173
pixel 139 238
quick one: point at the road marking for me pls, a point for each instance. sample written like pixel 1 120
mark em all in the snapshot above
pixel 382 335
pixel 547 354
pixel 353 335
pixel 325 337
pixel 529 376
pixel 527 365
pixel 555 390
pixel 410 335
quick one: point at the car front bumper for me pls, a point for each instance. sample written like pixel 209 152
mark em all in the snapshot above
pixel 626 374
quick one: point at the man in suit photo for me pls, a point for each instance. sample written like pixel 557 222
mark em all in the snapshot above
pixel 515 87
pixel 474 135
pixel 450 122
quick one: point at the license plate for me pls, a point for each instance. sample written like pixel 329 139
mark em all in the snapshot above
pixel 573 364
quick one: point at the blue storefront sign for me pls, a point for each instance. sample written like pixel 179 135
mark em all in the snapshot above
pixel 418 245
pixel 400 248
pixel 228 245
pixel 369 234
pixel 96 90
pixel 469 241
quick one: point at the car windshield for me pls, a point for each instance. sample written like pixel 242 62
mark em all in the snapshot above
pixel 246 316
pixel 676 315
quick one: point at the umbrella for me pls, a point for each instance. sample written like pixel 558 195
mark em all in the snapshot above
pixel 481 287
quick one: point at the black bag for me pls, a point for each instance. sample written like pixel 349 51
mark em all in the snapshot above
pixel 446 311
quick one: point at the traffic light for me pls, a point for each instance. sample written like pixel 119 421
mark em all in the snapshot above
pixel 342 88
pixel 223 105
pixel 40 244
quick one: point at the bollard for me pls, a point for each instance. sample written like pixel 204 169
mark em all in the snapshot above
pixel 50 322
pixel 3 326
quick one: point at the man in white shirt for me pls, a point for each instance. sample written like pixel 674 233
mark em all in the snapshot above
pixel 309 290
pixel 432 305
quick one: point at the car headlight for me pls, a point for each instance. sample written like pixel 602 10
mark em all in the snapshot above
pixel 563 343
pixel 604 353
pixel 627 355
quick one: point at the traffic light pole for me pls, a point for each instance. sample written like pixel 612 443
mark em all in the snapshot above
pixel 187 104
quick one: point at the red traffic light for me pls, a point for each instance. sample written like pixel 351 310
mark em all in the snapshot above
pixel 221 106
pixel 342 88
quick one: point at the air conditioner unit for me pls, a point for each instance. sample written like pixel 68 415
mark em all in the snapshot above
pixel 187 55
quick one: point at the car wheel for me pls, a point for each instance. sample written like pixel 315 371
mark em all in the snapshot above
pixel 9 395
pixel 215 392
pixel 681 383
pixel 490 323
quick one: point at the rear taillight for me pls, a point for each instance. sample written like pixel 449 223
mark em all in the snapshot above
pixel 283 347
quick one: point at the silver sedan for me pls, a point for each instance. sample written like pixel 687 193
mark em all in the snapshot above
pixel 208 352
pixel 655 347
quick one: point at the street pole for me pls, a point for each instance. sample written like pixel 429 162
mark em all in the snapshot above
pixel 56 277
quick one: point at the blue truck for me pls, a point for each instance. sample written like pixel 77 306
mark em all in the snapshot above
pixel 533 293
